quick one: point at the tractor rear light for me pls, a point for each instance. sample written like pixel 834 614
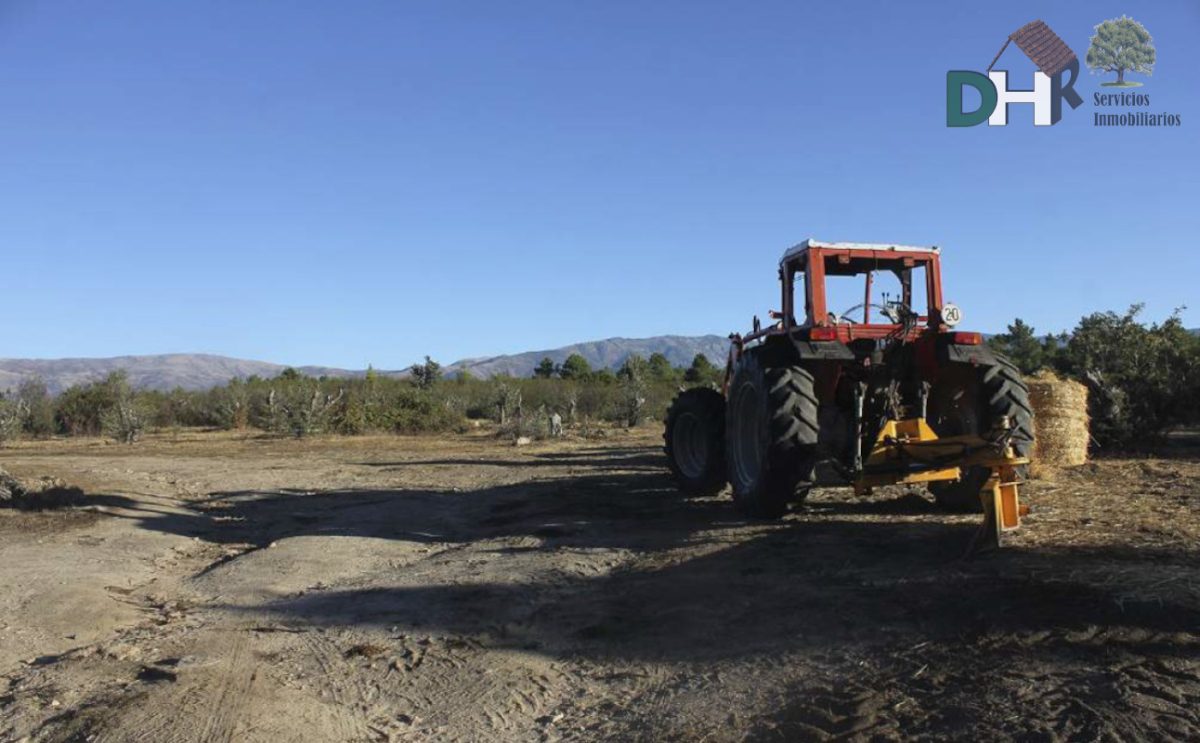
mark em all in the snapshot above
pixel 966 339
pixel 822 334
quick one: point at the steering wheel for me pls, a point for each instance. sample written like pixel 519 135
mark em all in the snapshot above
pixel 890 312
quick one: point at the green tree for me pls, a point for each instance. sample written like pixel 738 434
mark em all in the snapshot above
pixel 229 407
pixel 76 413
pixel 428 374
pixel 633 389
pixel 506 396
pixel 169 409
pixel 545 368
pixel 301 407
pixel 12 414
pixel 1143 379
pixel 701 371
pixel 1121 45
pixel 633 367
pixel 38 407
pixel 82 409
pixel 576 367
pixel 124 415
pixel 1021 346
pixel 659 367
pixel 1052 349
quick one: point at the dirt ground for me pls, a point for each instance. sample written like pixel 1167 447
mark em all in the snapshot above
pixel 220 588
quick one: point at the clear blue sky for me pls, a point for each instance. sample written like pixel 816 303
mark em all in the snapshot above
pixel 344 183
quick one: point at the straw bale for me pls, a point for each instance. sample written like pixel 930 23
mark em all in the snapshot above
pixel 1060 422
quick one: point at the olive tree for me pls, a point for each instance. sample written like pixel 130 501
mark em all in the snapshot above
pixel 12 416
pixel 34 396
pixel 125 415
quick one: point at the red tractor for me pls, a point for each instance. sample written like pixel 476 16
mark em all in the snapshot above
pixel 885 391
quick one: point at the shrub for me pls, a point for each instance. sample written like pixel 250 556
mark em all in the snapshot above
pixel 299 407
pixel 173 410
pixel 534 425
pixel 229 407
pixel 1143 379
pixel 88 409
pixel 419 411
pixel 79 410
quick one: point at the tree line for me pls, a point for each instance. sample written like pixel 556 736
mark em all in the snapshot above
pixel 1143 378
pixel 425 401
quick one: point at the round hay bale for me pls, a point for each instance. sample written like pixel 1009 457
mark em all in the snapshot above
pixel 1060 422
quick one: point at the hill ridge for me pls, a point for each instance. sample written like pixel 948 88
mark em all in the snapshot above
pixel 198 371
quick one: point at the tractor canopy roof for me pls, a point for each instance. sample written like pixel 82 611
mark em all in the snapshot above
pixel 867 249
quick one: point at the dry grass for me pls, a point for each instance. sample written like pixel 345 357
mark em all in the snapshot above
pixel 1137 517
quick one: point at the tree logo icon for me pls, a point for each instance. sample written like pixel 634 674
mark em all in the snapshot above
pixel 1121 45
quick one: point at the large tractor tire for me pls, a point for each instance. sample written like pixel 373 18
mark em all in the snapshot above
pixel 695 441
pixel 771 432
pixel 968 405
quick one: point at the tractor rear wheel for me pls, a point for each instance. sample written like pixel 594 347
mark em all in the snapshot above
pixel 695 441
pixel 771 429
pixel 969 405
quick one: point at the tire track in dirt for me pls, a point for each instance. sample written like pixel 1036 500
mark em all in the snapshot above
pixel 345 685
pixel 457 689
pixel 222 709
pixel 203 706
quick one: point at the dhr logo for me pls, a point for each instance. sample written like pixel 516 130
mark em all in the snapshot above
pixel 1052 56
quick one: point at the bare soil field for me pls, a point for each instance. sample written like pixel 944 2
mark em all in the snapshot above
pixel 218 588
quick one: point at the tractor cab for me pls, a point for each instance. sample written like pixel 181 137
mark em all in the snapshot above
pixel 847 291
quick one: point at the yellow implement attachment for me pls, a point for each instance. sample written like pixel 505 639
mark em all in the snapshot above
pixel 908 451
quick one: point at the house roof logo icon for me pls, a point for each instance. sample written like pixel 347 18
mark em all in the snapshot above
pixel 1043 47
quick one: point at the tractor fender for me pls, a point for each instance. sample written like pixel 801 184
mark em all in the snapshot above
pixel 822 350
pixel 957 353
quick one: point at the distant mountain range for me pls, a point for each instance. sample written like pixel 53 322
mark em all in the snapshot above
pixel 606 354
pixel 203 371
pixel 191 371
